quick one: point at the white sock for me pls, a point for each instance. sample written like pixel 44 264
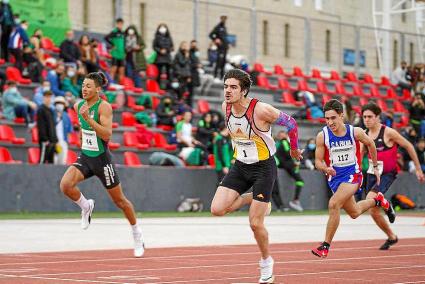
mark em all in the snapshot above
pixel 267 260
pixel 83 202
pixel 135 228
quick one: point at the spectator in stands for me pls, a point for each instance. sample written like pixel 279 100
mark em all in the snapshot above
pixel 223 152
pixel 135 61
pixel 420 151
pixel 417 114
pixel 398 77
pixel 17 41
pixel 63 128
pixel 206 131
pixel 7 23
pixel 35 43
pixel 14 105
pixel 387 118
pixel 285 161
pixel 39 93
pixel 69 50
pixel 309 153
pixel 181 67
pixel 55 78
pixel 3 79
pixel 195 68
pixel 46 130
pixel 116 38
pixel 88 54
pixel 70 82
pixel 163 46
pixel 31 57
pixel 212 54
pixel 184 131
pixel 219 36
pixel 166 111
pixel 350 115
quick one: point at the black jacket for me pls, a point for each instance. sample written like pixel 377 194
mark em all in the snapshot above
pixel 220 32
pixel 181 65
pixel 163 41
pixel 46 125
pixel 194 62
pixel 69 51
pixel 6 15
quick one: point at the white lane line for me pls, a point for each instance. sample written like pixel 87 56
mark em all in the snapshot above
pixel 67 279
pixel 295 274
pixel 187 256
pixel 230 265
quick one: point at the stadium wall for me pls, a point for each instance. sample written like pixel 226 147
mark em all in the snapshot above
pixel 36 188
pixel 349 25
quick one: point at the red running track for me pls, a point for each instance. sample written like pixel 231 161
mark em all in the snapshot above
pixel 348 262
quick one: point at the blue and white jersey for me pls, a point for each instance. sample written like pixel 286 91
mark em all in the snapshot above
pixel 342 153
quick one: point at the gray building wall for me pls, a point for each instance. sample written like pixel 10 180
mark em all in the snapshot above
pixel 36 188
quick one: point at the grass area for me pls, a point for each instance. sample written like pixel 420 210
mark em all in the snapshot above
pixel 170 214
pixel 97 214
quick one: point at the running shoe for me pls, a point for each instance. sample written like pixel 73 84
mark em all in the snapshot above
pixel 86 215
pixel 139 245
pixel 266 270
pixel 386 205
pixel 388 243
pixel 321 251
pixel 296 205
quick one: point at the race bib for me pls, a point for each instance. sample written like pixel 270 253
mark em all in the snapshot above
pixel 380 167
pixel 89 140
pixel 247 151
pixel 342 156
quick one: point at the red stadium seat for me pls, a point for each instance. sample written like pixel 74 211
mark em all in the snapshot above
pixel 34 135
pixel 13 74
pixel 385 81
pixel 382 105
pixel 211 160
pixel 19 120
pixel 48 44
pixel 258 67
pixel 152 71
pixel 263 82
pixel 128 119
pixel 113 145
pixel 404 121
pixel 283 84
pixel 334 76
pixel 325 99
pixel 391 94
pixel 8 135
pixel 351 77
pixel 373 92
pixel 129 85
pixel 339 89
pixel 153 86
pixel 367 78
pixel 33 155
pixel 73 116
pixel 161 142
pixel 71 158
pixel 407 95
pixel 6 157
pixel 131 103
pixel 363 101
pixel 155 102
pixel 322 88
pixel 315 73
pixel 289 99
pixel 278 70
pixel 74 139
pixel 303 86
pixel 399 107
pixel 298 72
pixel 203 106
pixel 131 159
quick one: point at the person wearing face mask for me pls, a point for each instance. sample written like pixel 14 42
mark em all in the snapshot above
pixel 309 153
pixel 135 56
pixel 166 111
pixel 15 105
pixel 88 54
pixel 181 68
pixel 7 22
pixel 398 77
pixel 116 38
pixel 63 128
pixel 17 40
pixel 38 95
pixel 46 130
pixel 70 82
pixel 69 50
pixel 163 46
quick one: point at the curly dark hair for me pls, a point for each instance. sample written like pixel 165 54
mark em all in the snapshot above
pixel 243 77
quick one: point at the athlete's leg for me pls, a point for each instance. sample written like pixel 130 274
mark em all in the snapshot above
pixel 379 219
pixel 354 209
pixel 345 191
pixel 68 184
pixel 257 212
pixel 227 200
pixel 123 203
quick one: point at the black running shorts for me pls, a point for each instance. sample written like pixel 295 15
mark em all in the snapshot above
pixel 260 176
pixel 100 166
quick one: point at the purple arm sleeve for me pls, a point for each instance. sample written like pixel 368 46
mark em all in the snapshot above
pixel 290 123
